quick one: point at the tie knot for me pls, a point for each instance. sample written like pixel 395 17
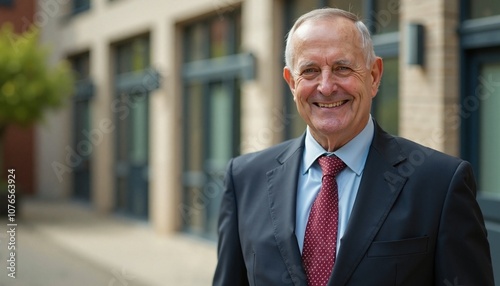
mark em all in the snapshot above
pixel 331 165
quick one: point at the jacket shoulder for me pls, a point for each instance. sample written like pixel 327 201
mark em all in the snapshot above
pixel 269 157
pixel 412 149
pixel 420 159
pixel 402 151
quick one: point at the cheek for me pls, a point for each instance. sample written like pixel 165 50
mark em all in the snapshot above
pixel 304 90
pixel 358 89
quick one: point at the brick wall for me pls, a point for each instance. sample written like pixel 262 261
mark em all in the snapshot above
pixel 429 94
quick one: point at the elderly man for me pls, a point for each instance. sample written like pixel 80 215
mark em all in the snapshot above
pixel 347 203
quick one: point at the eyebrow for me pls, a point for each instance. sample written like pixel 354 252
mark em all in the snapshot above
pixel 343 62
pixel 307 64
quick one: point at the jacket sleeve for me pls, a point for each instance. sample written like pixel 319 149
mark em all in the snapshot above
pixel 230 268
pixel 462 250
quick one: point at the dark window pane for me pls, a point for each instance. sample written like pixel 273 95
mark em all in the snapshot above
pixel 81 66
pixel 353 6
pixel 196 125
pixel 219 37
pixel 386 16
pixel 301 7
pixel 386 103
pixel 7 3
pixel 140 54
pixel 237 33
pixel 483 8
pixel 80 6
pixel 196 42
pixel 489 133
pixel 81 125
pixel 132 55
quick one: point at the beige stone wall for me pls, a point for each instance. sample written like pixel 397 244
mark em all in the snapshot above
pixel 52 141
pixel 429 94
pixel 262 96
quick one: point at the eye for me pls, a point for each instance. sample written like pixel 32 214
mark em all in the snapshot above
pixel 343 70
pixel 309 72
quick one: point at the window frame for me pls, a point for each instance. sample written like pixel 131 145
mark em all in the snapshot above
pixel 479 42
pixel 83 94
pixel 228 70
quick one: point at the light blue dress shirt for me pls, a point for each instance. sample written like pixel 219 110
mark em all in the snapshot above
pixel 354 155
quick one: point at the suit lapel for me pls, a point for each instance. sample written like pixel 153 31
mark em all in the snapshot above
pixel 282 190
pixel 378 190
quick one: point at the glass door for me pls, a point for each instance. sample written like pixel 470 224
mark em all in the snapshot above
pixel 212 70
pixel 132 167
pixel 211 139
pixel 489 131
pixel 131 107
pixel 480 136
pixel 82 127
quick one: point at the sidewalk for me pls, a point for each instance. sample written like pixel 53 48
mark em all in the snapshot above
pixel 63 243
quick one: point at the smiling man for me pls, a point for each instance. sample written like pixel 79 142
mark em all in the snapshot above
pixel 331 79
pixel 347 203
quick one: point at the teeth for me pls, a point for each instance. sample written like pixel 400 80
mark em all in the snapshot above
pixel 330 105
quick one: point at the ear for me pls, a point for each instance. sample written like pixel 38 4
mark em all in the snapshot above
pixel 287 75
pixel 376 73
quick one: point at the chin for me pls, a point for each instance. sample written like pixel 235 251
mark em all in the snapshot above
pixel 328 130
pixel 331 126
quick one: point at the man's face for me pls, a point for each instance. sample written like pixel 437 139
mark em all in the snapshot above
pixel 330 81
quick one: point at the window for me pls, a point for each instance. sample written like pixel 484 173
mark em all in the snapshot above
pixel 385 105
pixel 213 69
pixel 6 3
pixel 478 110
pixel 483 8
pixel 80 6
pixel 385 16
pixel 480 43
pixel 480 135
pixel 131 109
pixel 353 6
pixel 479 115
pixel 489 133
pixel 82 126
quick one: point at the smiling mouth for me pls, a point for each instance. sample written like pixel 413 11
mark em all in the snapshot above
pixel 331 105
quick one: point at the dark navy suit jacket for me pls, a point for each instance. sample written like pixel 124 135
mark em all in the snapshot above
pixel 415 220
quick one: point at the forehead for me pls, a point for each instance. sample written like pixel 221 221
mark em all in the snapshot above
pixel 337 26
pixel 327 37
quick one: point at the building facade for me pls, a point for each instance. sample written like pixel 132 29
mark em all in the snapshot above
pixel 169 91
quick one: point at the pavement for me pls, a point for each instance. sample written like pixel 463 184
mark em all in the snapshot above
pixel 66 243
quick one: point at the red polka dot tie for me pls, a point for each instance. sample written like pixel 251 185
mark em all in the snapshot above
pixel 320 241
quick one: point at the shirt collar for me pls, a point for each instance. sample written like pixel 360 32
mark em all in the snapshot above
pixel 354 153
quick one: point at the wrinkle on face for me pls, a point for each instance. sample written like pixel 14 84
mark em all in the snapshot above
pixel 329 67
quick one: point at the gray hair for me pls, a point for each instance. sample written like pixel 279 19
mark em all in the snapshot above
pixel 331 13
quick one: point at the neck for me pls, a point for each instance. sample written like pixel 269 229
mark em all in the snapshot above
pixel 334 141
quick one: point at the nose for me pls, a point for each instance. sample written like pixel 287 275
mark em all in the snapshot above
pixel 327 85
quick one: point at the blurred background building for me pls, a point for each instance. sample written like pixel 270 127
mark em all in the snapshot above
pixel 168 91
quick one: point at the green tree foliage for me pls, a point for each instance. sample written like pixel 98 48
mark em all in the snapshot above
pixel 28 84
